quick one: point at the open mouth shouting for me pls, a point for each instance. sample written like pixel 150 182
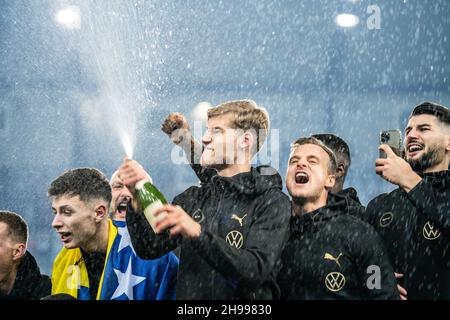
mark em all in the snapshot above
pixel 413 148
pixel 65 236
pixel 301 177
pixel 122 207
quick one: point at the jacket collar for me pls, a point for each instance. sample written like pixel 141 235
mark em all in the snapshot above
pixel 256 181
pixel 351 194
pixel 336 205
pixel 440 177
pixel 28 274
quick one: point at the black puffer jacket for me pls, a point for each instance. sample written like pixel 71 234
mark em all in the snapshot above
pixel 415 228
pixel 29 283
pixel 245 224
pixel 332 254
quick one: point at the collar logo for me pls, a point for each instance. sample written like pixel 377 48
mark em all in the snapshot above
pixel 236 217
pixel 198 216
pixel 386 219
pixel 235 239
pixel 335 281
pixel 430 232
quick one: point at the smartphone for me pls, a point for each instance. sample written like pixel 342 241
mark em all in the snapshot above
pixel 392 138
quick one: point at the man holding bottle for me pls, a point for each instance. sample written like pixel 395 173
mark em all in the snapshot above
pixel 231 229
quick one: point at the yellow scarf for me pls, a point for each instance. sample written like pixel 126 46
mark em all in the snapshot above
pixel 69 270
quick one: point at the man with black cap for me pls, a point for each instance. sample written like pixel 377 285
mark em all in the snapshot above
pixel 414 219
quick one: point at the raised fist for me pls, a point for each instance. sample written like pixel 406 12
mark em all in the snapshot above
pixel 176 127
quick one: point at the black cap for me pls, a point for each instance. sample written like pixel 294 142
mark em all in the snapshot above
pixel 434 109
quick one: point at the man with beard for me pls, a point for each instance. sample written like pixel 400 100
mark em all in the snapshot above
pixel 232 229
pixel 330 253
pixel 414 220
pixel 121 197
pixel 164 268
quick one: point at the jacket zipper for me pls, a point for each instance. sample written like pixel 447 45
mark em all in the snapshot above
pixel 213 220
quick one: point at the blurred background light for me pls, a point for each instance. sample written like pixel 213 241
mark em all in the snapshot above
pixel 200 111
pixel 69 17
pixel 347 20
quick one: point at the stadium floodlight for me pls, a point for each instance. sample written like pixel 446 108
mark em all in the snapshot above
pixel 69 17
pixel 346 20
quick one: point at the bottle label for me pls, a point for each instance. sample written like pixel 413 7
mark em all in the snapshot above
pixel 148 212
pixel 140 184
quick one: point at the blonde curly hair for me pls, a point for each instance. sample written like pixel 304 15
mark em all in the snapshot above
pixel 247 116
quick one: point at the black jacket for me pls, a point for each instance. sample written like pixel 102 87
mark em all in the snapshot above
pixel 330 255
pixel 352 196
pixel 29 283
pixel 245 224
pixel 415 227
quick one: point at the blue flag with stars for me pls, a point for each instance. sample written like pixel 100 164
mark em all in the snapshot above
pixel 125 276
pixel 128 277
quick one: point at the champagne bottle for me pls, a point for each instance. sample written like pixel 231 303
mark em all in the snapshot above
pixel 150 198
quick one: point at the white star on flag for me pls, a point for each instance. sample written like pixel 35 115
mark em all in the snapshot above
pixel 125 240
pixel 127 281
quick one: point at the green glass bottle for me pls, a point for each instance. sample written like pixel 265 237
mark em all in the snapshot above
pixel 150 198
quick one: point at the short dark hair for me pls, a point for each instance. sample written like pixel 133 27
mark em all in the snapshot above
pixel 87 183
pixel 434 109
pixel 17 227
pixel 312 140
pixel 337 145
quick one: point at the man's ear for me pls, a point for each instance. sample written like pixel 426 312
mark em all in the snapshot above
pixel 101 211
pixel 447 148
pixel 18 251
pixel 340 170
pixel 247 140
pixel 330 181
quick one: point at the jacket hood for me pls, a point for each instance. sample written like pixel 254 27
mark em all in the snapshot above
pixel 351 194
pixel 255 182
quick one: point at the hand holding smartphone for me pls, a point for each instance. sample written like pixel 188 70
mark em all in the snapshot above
pixel 392 138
